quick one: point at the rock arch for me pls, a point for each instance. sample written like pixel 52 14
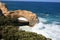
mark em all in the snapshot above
pixel 31 17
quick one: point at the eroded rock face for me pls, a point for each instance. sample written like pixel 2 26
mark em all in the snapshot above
pixel 4 9
pixel 31 17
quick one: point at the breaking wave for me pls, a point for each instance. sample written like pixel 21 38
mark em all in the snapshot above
pixel 48 30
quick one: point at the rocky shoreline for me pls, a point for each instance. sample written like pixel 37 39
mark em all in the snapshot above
pixel 8 25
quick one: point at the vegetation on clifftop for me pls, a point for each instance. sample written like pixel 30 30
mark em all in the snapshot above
pixel 9 31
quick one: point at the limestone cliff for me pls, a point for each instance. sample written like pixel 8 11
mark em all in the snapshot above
pixel 4 9
pixel 31 17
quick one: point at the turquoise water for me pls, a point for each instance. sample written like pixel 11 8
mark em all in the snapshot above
pixel 48 14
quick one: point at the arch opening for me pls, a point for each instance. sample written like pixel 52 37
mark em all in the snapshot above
pixel 23 21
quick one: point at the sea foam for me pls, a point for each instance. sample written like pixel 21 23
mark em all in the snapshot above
pixel 48 30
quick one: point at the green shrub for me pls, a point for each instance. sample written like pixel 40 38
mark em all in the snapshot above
pixel 9 31
pixel 12 33
pixel 8 21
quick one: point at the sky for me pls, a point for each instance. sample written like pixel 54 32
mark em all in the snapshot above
pixel 35 0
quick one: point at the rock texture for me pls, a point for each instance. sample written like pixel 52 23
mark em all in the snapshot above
pixel 4 9
pixel 31 17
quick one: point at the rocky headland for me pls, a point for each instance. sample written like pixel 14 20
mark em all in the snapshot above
pixel 30 16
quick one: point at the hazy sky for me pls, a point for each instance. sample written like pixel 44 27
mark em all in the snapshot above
pixel 35 0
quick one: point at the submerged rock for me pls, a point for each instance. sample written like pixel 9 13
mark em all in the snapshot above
pixel 31 17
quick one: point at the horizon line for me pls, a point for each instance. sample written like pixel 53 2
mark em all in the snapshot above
pixel 33 1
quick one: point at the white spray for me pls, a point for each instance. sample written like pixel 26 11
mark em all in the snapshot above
pixel 48 30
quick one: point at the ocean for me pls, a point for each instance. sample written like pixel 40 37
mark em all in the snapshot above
pixel 48 14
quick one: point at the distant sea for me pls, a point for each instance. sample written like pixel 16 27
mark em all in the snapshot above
pixel 47 12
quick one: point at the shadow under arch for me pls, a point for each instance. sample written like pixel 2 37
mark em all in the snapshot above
pixel 18 22
pixel 1 14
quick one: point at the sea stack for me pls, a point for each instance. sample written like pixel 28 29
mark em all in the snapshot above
pixel 30 16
